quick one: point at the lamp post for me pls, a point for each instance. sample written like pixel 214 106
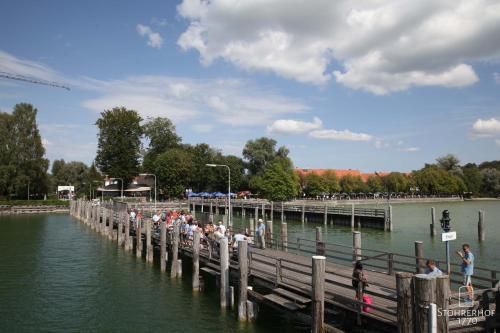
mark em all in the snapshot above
pixel 122 184
pixel 150 174
pixel 229 220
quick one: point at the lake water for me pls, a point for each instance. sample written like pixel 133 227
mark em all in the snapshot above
pixel 57 275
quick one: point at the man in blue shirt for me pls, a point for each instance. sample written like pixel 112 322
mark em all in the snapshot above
pixel 261 233
pixel 467 269
pixel 432 269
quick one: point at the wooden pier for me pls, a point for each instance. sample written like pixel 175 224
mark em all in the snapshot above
pixel 311 280
pixel 322 212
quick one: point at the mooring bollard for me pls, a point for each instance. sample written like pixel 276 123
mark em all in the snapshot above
pixel 284 237
pixel 138 238
pixel 419 257
pixel 318 293
pixel 196 260
pixel 480 226
pixel 243 279
pixel 442 301
pixel 224 272
pixel 425 294
pixel 175 251
pixel 163 246
pixel 404 289
pixel 356 246
pixel 149 245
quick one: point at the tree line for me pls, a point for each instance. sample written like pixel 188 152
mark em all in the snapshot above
pixel 129 145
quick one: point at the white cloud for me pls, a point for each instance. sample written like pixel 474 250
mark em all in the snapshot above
pixel 202 128
pixel 154 38
pixel 380 144
pixel 13 65
pixel 345 135
pixel 486 128
pixel 291 126
pixel 377 46
pixel 409 149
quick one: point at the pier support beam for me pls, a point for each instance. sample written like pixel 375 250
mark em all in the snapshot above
pixel 318 294
pixel 163 246
pixel 419 257
pixel 284 237
pixel 224 272
pixel 263 211
pixel 175 252
pixel 269 234
pixel 127 239
pixel 251 228
pixel 303 217
pixel 356 246
pixel 138 238
pixel 196 260
pixel 256 213
pixel 271 212
pixel 149 246
pixel 352 216
pixel 243 280
pixel 404 289
pixel 480 226
pixel 325 215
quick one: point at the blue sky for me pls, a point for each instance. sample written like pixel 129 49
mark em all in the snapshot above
pixel 376 86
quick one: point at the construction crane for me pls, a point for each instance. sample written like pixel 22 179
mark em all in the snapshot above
pixel 5 75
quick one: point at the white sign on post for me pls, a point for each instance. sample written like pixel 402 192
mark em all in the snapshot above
pixel 448 236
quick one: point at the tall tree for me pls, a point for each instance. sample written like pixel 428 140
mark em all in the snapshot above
pixel 173 170
pixel 28 153
pixel 331 182
pixel 260 152
pixel 375 184
pixel 315 185
pixel 7 167
pixel 119 142
pixel 279 182
pixel 162 136
pixel 350 183
pixel 395 182
pixel 491 182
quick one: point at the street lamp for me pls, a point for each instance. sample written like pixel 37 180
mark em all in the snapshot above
pixel 229 220
pixel 122 184
pixel 150 174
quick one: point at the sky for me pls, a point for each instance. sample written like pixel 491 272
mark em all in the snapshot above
pixel 371 85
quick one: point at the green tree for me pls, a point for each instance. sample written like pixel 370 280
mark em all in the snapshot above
pixel 331 181
pixel 161 135
pixel 260 152
pixel 279 182
pixel 435 180
pixel 473 178
pixel 350 183
pixel 375 184
pixel 202 177
pixel 27 153
pixel 395 182
pixel 119 142
pixel 7 167
pixel 491 182
pixel 173 170
pixel 71 173
pixel 315 185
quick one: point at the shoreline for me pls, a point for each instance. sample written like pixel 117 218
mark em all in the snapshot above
pixel 16 210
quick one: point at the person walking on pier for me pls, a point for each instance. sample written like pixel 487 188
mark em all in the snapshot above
pixel 359 281
pixel 467 269
pixel 260 234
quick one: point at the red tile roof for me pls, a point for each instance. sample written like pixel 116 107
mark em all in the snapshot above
pixel 340 172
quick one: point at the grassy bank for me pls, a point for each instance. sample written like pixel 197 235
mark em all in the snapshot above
pixel 50 202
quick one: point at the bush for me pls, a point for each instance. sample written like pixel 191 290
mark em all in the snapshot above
pixel 51 202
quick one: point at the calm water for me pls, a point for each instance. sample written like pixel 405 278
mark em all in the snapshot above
pixel 411 223
pixel 57 275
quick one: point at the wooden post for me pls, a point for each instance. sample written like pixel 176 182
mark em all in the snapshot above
pixel 480 226
pixel 256 213
pixel 175 252
pixel 318 293
pixel 325 215
pixel 319 240
pixel 127 240
pixel 224 272
pixel 120 229
pixel 211 208
pixel 282 211
pixel 425 293
pixel 433 222
pixel 179 268
pixel 251 228
pixel 271 212
pixel 303 217
pixel 138 238
pixel 443 302
pixel 149 246
pixel 356 246
pixel 251 311
pixel 390 219
pixel 196 260
pixel 243 213
pixel 352 216
pixel 419 255
pixel 269 233
pixel 284 237
pixel 243 279
pixel 263 211
pixel 111 214
pixel 404 289
pixel 163 246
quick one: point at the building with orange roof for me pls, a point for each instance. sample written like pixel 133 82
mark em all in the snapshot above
pixel 340 173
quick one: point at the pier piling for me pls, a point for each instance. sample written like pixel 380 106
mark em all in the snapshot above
pixel 480 226
pixel 318 294
pixel 175 251
pixel 284 237
pixel 163 246
pixel 196 260
pixel 149 245
pixel 224 272
pixel 433 222
pixel 243 279
pixel 419 255
pixel 356 246
pixel 425 294
pixel 138 238
pixel 404 289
